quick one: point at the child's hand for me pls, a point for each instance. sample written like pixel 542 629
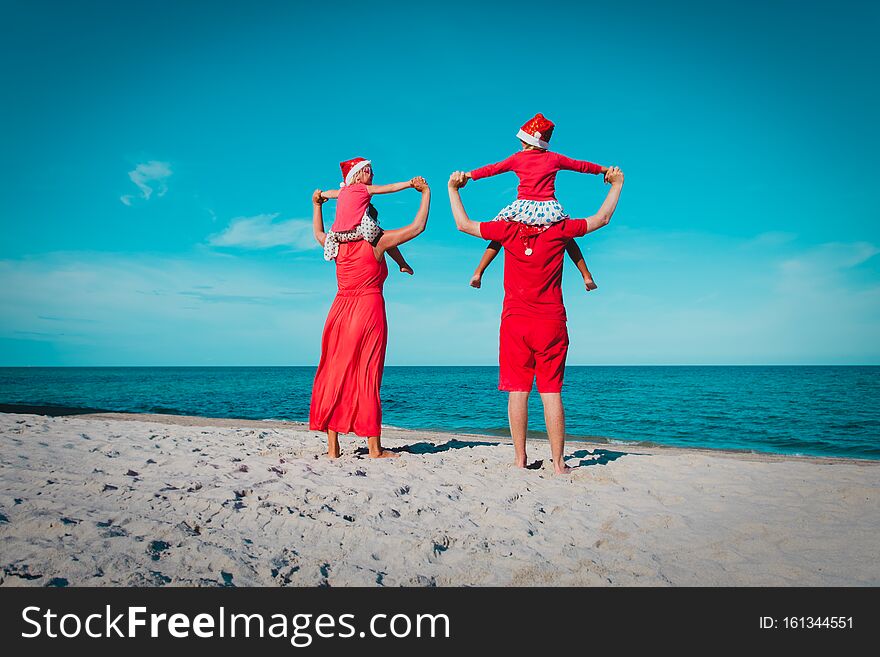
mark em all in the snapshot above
pixel 317 199
pixel 614 176
pixel 419 184
pixel 589 284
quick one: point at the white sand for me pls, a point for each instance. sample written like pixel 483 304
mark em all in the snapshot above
pixel 256 503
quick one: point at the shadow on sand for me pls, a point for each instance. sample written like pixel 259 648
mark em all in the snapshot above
pixel 431 448
pixel 596 457
pixel 579 459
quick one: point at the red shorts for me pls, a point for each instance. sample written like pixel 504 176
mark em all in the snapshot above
pixel 529 349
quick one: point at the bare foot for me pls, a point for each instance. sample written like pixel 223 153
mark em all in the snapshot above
pixel 520 462
pixel 384 454
pixel 564 470
pixel 376 451
pixel 407 270
pixel 333 454
pixel 476 281
pixel 589 284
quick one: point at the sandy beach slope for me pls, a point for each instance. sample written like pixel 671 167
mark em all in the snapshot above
pixel 130 500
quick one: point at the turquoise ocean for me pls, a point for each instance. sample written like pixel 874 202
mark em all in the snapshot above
pixel 823 411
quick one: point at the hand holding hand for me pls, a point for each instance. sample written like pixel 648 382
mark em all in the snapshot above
pixel 317 199
pixel 457 180
pixel 419 184
pixel 614 176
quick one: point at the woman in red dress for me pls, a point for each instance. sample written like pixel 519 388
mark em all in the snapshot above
pixel 345 396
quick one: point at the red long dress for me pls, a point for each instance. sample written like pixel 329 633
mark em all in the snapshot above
pixel 345 396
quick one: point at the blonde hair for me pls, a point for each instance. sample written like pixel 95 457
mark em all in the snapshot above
pixel 357 176
pixel 529 147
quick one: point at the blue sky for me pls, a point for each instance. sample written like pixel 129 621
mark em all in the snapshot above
pixel 158 163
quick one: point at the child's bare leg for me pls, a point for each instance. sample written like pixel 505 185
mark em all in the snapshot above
pixel 397 257
pixel 488 256
pixel 577 257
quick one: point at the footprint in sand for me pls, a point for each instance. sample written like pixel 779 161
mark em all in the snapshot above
pixel 156 549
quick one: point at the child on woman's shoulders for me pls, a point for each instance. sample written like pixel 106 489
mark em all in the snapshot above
pixel 356 218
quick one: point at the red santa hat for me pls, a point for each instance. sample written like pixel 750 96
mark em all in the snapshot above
pixel 537 131
pixel 350 169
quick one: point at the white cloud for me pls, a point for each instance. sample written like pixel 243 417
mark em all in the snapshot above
pixel 829 257
pixel 688 298
pixel 118 308
pixel 263 232
pixel 698 298
pixel 145 173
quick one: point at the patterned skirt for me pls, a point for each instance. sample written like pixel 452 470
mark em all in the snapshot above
pixel 533 213
pixel 367 230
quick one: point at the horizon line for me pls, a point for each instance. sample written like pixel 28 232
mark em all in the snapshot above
pixel 473 365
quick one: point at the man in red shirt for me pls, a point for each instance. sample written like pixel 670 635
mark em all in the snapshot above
pixel 534 336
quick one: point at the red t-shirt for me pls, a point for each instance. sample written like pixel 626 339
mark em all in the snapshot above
pixel 533 283
pixel 537 171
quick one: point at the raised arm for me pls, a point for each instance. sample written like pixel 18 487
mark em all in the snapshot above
pixel 614 176
pixel 462 221
pixel 396 237
pixel 318 216
pixel 391 188
pixel 329 193
pixel 581 166
pixel 491 169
